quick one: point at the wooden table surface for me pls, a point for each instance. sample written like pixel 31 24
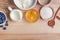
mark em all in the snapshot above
pixel 29 31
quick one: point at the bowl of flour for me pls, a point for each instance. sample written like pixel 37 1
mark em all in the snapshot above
pixel 25 4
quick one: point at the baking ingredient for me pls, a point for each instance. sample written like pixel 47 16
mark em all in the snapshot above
pixel 32 15
pixel 2 18
pixel 15 15
pixel 26 3
pixel 46 12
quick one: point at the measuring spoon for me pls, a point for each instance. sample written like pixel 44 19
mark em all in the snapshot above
pixel 51 22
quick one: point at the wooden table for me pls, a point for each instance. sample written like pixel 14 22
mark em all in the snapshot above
pixel 29 31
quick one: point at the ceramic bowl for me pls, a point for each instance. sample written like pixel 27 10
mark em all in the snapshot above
pixel 44 2
pixel 15 14
pixel 20 5
pixel 3 18
pixel 46 12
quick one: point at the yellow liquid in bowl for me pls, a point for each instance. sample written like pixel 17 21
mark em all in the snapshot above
pixel 32 15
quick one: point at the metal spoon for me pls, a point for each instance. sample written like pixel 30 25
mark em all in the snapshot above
pixel 51 22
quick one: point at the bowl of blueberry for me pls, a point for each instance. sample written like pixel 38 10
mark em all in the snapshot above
pixel 3 20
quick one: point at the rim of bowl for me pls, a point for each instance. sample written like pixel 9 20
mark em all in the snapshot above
pixel 21 14
pixel 27 8
pixel 52 13
pixel 27 19
pixel 45 4
pixel 5 16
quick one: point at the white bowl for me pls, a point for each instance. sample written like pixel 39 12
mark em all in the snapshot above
pixel 21 6
pixel 46 12
pixel 44 2
pixel 16 15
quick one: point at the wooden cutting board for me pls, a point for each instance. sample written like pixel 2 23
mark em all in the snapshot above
pixel 30 31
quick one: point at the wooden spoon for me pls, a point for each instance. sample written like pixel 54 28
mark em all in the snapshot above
pixel 58 17
pixel 51 22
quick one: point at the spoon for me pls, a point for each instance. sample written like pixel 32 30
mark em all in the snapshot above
pixel 58 17
pixel 51 22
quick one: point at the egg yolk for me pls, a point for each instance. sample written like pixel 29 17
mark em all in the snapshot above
pixel 32 15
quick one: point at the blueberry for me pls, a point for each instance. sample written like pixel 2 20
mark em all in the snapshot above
pixel 2 18
pixel 4 28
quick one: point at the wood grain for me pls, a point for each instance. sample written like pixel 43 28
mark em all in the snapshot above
pixel 21 31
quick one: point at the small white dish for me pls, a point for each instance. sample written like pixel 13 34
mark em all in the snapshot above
pixel 25 4
pixel 46 12
pixel 44 2
pixel 15 14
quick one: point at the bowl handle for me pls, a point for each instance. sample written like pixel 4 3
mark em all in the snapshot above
pixel 10 9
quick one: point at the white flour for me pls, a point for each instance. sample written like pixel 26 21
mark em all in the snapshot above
pixel 26 3
pixel 46 12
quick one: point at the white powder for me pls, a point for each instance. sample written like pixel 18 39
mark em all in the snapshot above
pixel 46 12
pixel 26 3
pixel 15 15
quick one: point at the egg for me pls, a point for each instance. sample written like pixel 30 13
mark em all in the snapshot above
pixel 32 15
